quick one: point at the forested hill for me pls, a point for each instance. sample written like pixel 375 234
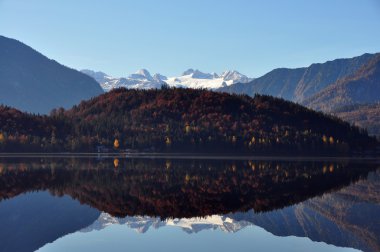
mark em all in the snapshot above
pixel 182 120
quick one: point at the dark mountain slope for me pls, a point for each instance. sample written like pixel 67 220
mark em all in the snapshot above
pixel 300 83
pixel 362 87
pixel 319 76
pixel 279 82
pixel 31 82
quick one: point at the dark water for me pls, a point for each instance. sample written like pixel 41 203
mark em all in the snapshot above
pixel 89 204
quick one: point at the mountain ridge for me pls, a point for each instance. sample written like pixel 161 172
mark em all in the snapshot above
pixel 296 84
pixel 34 83
pixel 190 78
pixel 359 88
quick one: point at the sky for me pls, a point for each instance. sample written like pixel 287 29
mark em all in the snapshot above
pixel 119 37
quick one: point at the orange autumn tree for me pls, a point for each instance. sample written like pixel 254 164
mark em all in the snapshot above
pixel 2 138
pixel 116 144
pixel 116 162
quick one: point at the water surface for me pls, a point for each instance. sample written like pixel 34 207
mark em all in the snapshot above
pixel 172 204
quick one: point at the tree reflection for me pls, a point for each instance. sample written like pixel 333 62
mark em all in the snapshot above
pixel 178 188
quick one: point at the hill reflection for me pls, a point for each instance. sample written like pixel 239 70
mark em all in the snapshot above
pixel 178 188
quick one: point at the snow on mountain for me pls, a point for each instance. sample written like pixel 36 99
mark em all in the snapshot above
pixel 189 79
pixel 100 77
pixel 142 74
pixel 140 80
pixel 190 225
pixel 159 77
pixel 197 79
pixel 235 77
pixel 196 74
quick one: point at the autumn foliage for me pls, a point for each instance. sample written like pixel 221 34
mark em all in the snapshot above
pixel 182 120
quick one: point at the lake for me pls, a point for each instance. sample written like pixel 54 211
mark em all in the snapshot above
pixel 188 204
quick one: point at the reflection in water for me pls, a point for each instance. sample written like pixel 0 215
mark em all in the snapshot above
pixel 230 195
pixel 348 217
pixel 31 220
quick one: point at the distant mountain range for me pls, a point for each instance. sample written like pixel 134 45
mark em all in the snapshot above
pixel 190 225
pixel 191 78
pixel 141 80
pixel 31 82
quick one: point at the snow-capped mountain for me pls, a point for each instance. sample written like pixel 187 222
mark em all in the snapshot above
pixel 197 79
pixel 141 80
pixel 235 77
pixel 100 77
pixel 190 79
pixel 190 225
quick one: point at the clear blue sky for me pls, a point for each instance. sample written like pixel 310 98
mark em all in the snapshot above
pixel 169 36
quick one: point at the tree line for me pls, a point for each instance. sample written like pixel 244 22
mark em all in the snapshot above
pixel 181 120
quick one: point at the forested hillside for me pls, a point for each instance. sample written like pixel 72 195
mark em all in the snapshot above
pixel 366 116
pixel 181 120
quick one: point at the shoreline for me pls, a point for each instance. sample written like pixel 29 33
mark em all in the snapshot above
pixel 198 156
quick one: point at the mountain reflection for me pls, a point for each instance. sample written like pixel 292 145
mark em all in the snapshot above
pixel 345 218
pixel 178 188
pixel 230 195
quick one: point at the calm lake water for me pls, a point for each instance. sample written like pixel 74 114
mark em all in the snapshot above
pixel 163 204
